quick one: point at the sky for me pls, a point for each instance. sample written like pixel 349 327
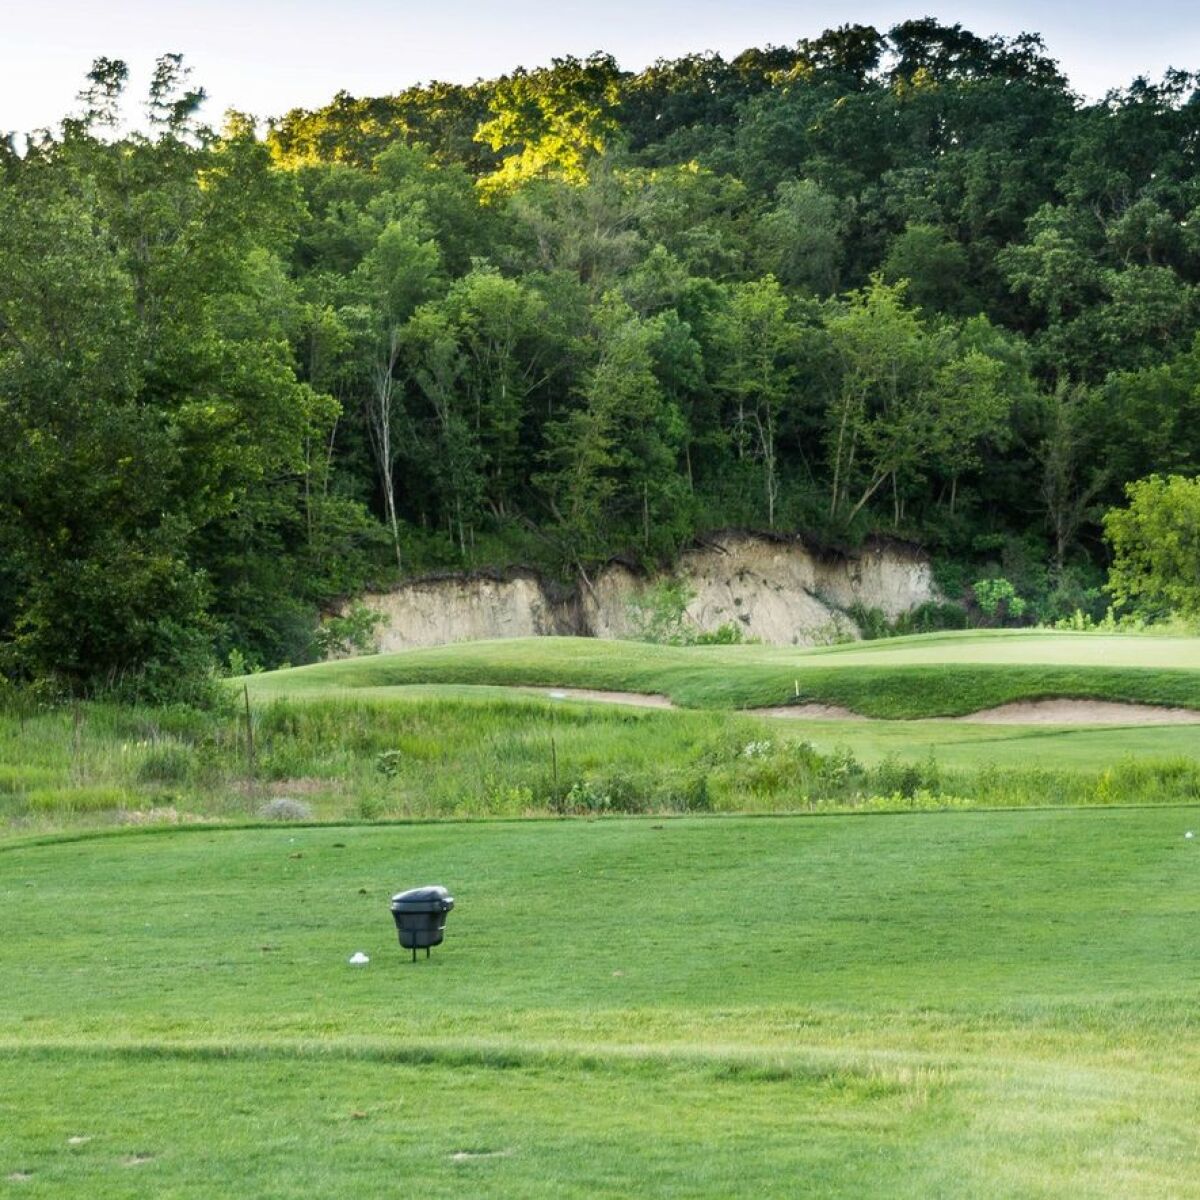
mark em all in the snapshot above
pixel 267 56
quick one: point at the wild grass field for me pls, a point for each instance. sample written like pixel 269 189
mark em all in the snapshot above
pixel 478 739
pixel 735 956
pixel 434 753
pixel 995 1004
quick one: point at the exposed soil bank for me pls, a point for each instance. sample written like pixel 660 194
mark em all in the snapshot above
pixel 776 590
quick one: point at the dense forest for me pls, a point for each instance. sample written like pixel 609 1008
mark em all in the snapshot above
pixel 905 284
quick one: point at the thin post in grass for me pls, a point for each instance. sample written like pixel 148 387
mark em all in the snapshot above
pixel 249 732
pixel 554 750
pixel 77 741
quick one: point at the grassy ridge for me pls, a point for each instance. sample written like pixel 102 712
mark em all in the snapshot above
pixel 988 1004
pixel 753 676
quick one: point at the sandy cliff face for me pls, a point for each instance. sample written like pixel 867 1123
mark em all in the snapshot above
pixel 778 591
pixel 433 612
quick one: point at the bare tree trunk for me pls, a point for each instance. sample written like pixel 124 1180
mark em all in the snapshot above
pixel 379 427
pixel 766 442
pixel 837 460
pixel 862 500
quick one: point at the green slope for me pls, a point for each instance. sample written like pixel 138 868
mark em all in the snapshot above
pixel 933 676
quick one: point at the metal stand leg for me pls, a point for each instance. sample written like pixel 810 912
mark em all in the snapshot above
pixel 426 951
pixel 414 957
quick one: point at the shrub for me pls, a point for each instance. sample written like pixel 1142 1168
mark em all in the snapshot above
pixel 839 768
pixel 1156 555
pixel 998 599
pixel 284 808
pixel 930 617
pixel 351 632
pixel 617 793
pixel 894 777
pixel 370 808
pixel 729 634
pixel 659 614
pixel 389 763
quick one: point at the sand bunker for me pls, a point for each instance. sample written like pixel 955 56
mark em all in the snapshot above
pixel 1023 712
pixel 636 699
pixel 810 712
pixel 1082 712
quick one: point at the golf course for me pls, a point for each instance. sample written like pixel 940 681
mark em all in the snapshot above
pixel 917 956
pixel 929 675
pixel 599 604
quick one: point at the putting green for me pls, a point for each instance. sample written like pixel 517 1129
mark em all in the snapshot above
pixel 1024 647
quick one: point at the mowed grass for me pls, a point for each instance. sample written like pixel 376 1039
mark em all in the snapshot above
pixel 997 1004
pixel 935 675
pixel 911 1004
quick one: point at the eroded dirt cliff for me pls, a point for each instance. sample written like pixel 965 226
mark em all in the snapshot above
pixel 779 591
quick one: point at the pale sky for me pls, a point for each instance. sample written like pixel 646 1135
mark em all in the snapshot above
pixel 266 56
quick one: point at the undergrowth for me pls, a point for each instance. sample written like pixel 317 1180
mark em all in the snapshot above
pixel 371 759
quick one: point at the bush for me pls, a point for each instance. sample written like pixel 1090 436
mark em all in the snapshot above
pixel 930 617
pixel 284 808
pixel 617 793
pixel 897 778
pixel 997 599
pixel 351 632
pixel 389 763
pixel 1156 555
pixel 659 613
pixel 729 634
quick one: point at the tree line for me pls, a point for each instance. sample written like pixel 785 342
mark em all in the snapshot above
pixel 902 283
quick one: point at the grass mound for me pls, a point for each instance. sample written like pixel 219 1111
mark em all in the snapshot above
pixel 936 675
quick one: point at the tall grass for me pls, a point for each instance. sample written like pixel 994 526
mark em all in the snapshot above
pixel 366 758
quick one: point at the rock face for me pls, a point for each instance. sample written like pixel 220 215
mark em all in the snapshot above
pixel 778 591
pixel 434 612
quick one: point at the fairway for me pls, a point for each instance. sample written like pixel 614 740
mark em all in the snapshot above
pixel 989 1002
pixel 1021 646
pixel 910 1004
